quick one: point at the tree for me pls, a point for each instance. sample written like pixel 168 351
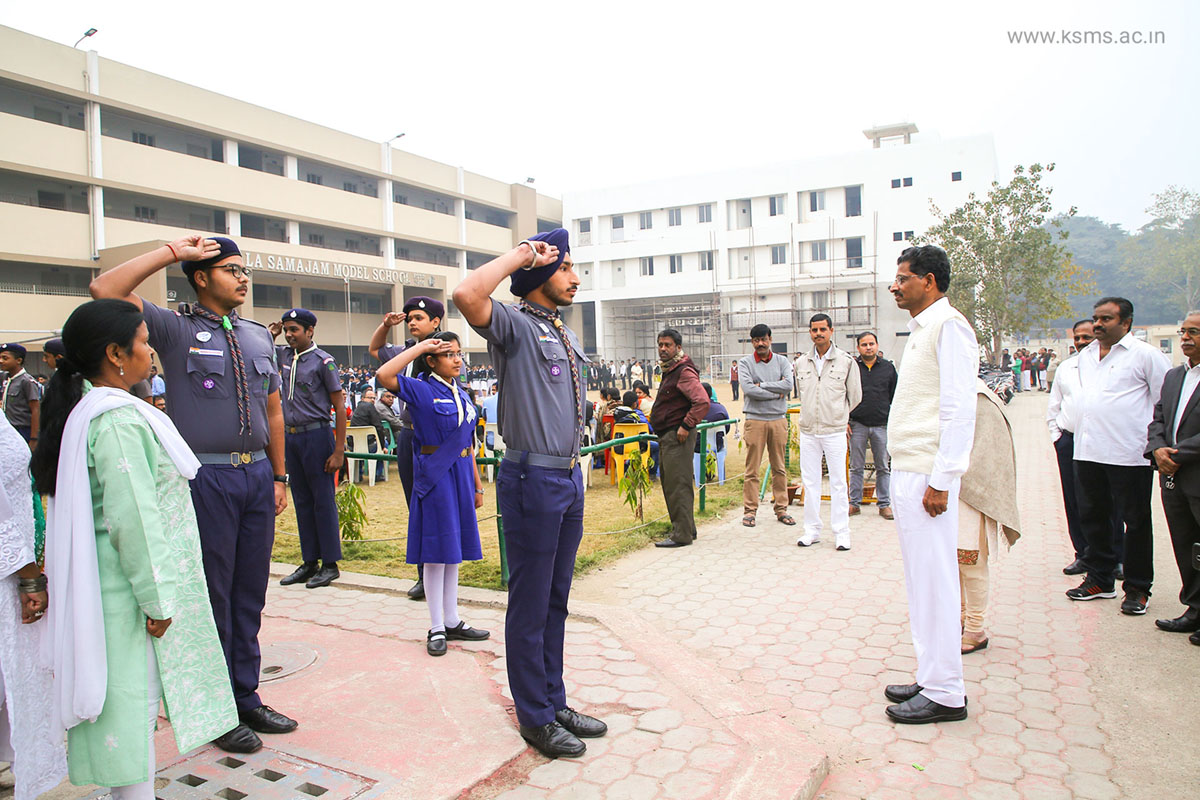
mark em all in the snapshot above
pixel 1010 272
pixel 1166 251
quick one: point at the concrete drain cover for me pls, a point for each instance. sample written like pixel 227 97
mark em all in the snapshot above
pixel 265 774
pixel 281 659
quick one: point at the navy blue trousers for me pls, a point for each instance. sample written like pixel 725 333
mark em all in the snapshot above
pixel 312 493
pixel 235 509
pixel 542 511
pixel 404 461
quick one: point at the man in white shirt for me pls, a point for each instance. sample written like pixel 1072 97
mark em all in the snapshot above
pixel 930 432
pixel 830 388
pixel 1060 418
pixel 1120 379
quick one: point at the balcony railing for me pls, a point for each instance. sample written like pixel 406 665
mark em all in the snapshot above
pixel 43 289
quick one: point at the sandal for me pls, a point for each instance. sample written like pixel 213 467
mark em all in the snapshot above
pixel 748 521
pixel 786 519
pixel 969 646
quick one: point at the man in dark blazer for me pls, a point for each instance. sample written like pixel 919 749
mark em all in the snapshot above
pixel 1174 444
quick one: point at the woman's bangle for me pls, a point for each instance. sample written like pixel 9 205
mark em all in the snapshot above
pixel 172 249
pixel 32 585
pixel 479 491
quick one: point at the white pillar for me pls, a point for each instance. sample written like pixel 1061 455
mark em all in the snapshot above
pixel 293 231
pixel 95 154
pixel 291 167
pixel 599 322
pixel 385 204
pixel 233 221
pixel 460 214
pixel 230 151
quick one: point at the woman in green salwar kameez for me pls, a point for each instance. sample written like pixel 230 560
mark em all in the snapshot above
pixel 123 553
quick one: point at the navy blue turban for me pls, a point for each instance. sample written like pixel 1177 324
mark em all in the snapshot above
pixel 525 281
pixel 228 248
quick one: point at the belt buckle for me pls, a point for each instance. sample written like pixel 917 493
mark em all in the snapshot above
pixel 574 461
pixel 233 459
pixel 466 451
pixel 244 458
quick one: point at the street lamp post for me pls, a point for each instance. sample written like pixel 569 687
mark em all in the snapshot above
pixel 90 32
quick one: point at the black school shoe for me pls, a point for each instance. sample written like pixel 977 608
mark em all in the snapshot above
pixel 553 740
pixel 465 633
pixel 435 643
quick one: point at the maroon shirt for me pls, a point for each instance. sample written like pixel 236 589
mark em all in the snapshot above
pixel 681 401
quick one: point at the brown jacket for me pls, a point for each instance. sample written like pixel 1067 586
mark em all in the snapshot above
pixel 681 401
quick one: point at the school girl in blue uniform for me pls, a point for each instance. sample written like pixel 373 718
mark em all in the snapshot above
pixel 442 527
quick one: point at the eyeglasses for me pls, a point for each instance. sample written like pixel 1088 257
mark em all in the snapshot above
pixel 455 354
pixel 903 279
pixel 1193 332
pixel 238 272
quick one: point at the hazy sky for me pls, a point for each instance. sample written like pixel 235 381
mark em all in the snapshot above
pixel 586 95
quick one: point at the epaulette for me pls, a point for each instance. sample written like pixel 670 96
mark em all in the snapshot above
pixel 184 309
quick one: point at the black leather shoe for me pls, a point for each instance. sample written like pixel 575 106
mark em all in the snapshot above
pixel 239 740
pixel 328 574
pixel 920 710
pixel 302 573
pixel 581 725
pixel 1188 622
pixel 553 740
pixel 1195 638
pixel 435 643
pixel 465 633
pixel 671 543
pixel 1076 567
pixel 417 592
pixel 265 719
pixel 900 692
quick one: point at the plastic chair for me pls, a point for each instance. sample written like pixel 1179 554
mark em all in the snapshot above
pixel 495 449
pixel 698 468
pixel 619 454
pixel 352 443
pixel 607 420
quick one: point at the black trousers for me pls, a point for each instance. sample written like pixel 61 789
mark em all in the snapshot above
pixel 1105 491
pixel 1183 519
pixel 1064 448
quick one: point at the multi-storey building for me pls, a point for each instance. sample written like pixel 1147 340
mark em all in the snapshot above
pixel 713 254
pixel 99 161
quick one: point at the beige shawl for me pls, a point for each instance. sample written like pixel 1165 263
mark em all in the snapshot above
pixel 990 483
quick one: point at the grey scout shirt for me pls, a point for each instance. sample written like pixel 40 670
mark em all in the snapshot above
pixel 536 405
pixel 19 391
pixel 386 354
pixel 195 356
pixel 308 399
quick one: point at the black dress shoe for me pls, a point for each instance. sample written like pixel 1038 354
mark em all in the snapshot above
pixel 920 710
pixel 302 573
pixel 465 633
pixel 1195 638
pixel 553 740
pixel 581 725
pixel 671 543
pixel 899 692
pixel 1076 567
pixel 265 719
pixel 435 643
pixel 328 574
pixel 1188 622
pixel 417 592
pixel 239 740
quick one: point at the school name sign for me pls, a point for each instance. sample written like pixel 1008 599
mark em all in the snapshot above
pixel 337 269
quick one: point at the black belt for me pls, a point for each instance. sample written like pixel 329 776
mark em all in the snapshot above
pixel 430 449
pixel 312 426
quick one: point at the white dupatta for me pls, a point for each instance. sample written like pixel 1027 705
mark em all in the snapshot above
pixel 73 645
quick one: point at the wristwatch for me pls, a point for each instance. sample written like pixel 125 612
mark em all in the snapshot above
pixel 281 479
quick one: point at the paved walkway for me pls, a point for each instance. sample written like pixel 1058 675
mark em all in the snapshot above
pixel 740 667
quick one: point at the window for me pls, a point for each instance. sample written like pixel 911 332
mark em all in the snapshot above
pixel 853 201
pixel 816 201
pixel 585 226
pixel 820 300
pixel 647 265
pixel 143 138
pixel 352 246
pixel 897 236
pixel 674 217
pixel 779 254
pixel 47 115
pixel 908 181
pixel 618 221
pixel 704 213
pixel 706 261
pixel 776 205
pixel 145 214
pixel 56 200
pixel 313 177
pixel 854 249
pixel 676 264
pixel 646 220
pixel 895 183
pixel 1164 345
pixel 197 150
pixel 402 199
pixel 317 239
pixel 956 176
pixel 908 235
pixel 818 251
pixel 347 186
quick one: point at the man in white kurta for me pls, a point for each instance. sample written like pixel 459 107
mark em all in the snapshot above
pixel 930 432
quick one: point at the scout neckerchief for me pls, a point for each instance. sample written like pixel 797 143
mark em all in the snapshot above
pixel 296 368
pixel 556 320
pixel 458 404
pixel 239 366
pixel 7 385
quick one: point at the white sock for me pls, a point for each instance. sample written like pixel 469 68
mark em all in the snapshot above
pixel 450 597
pixel 435 582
